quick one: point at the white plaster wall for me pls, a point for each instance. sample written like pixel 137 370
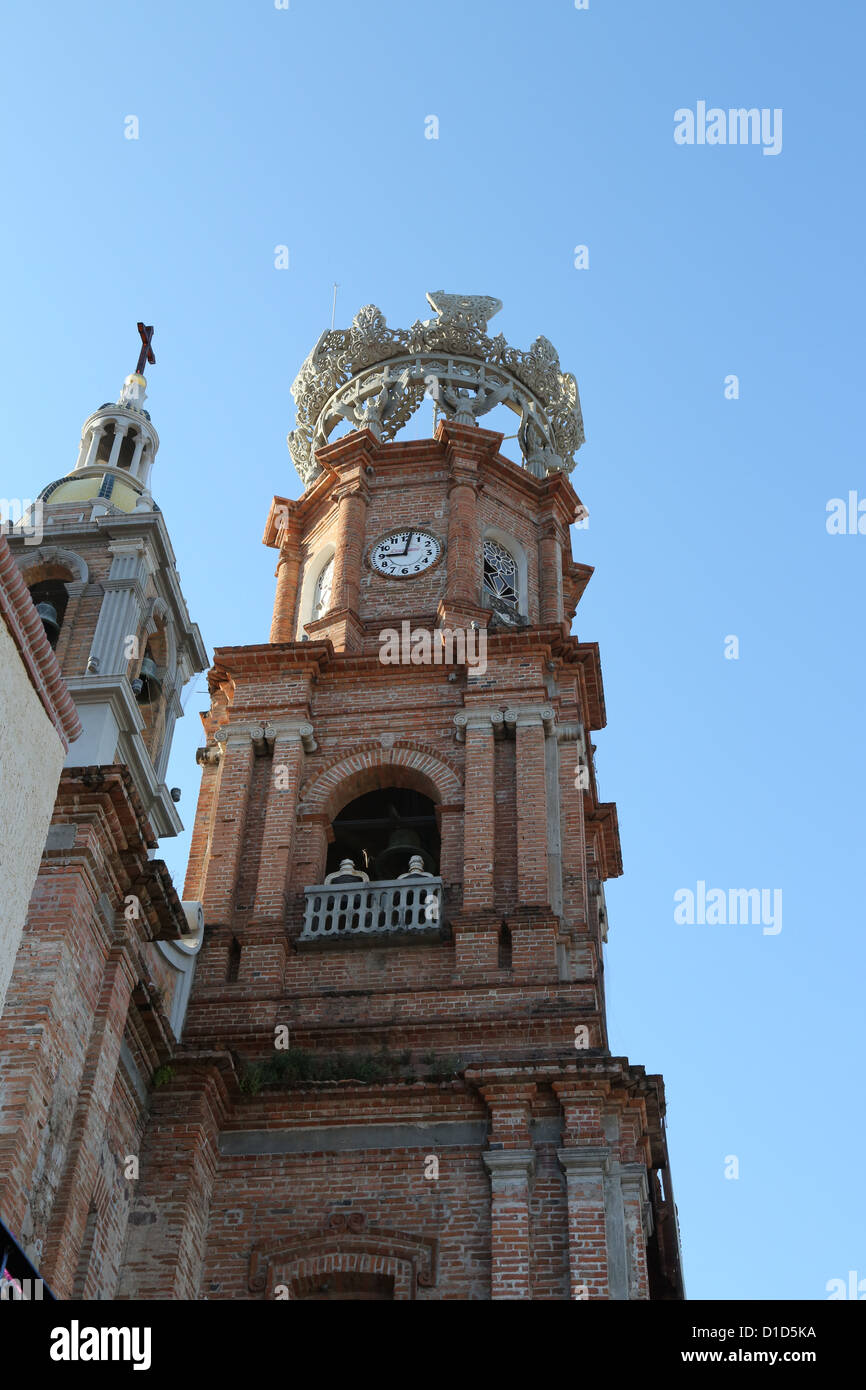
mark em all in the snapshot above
pixel 31 757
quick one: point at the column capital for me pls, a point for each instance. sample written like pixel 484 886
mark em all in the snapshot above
pixel 588 1161
pixel 527 716
pixel 509 1165
pixel 478 717
pixel 571 733
pixel 291 730
pixel 235 736
pixel 289 545
pixel 135 545
pixel 351 487
pixel 463 475
pixel 634 1174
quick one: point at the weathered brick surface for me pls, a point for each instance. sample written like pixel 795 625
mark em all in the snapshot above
pixel 319 1190
pixel 507 1154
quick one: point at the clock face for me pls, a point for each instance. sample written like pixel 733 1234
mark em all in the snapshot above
pixel 405 553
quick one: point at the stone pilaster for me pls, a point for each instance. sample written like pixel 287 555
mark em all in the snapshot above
pixel 511 1173
pixel 550 578
pixel 531 724
pixel 637 1226
pixel 229 818
pixel 573 781
pixel 510 1161
pixel 291 739
pixel 288 570
pixel 475 928
pixel 467 449
pixel 122 607
pixel 585 1170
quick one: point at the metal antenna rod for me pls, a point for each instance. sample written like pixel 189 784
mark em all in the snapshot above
pixel 334 306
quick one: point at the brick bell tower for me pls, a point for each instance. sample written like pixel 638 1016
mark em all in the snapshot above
pixel 395 1079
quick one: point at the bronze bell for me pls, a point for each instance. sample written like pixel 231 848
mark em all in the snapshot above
pixel 151 672
pixel 402 844
pixel 48 614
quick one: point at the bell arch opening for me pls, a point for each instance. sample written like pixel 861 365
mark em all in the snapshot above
pixel 50 595
pixel 382 830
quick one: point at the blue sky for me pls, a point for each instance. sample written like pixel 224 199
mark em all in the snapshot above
pixel 260 127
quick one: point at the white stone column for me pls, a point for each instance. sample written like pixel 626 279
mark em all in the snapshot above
pixel 95 440
pixel 119 436
pixel 146 462
pixel 136 454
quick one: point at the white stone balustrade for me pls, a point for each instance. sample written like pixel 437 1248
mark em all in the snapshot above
pixel 372 909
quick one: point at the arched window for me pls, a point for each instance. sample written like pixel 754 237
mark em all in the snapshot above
pixel 322 590
pixel 149 685
pixel 317 586
pixel 106 443
pixel 127 449
pixel 501 573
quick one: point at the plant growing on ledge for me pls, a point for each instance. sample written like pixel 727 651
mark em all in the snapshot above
pixel 296 1064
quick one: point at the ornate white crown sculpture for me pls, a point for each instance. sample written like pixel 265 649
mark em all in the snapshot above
pixel 376 378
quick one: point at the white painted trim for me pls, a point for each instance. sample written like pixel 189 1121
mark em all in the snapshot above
pixel 312 570
pixel 54 555
pixel 181 954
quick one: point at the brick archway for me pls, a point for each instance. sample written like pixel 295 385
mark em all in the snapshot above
pixel 372 767
pixel 353 1258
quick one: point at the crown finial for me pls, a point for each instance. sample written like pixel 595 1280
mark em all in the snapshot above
pixel 376 378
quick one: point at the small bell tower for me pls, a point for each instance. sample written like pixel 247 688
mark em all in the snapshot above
pixel 104 579
pixel 97 998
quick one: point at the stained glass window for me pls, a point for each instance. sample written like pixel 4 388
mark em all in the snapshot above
pixel 500 573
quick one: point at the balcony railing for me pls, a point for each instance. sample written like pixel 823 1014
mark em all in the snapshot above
pixel 372 909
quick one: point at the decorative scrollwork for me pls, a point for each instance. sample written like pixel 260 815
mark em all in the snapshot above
pixel 376 377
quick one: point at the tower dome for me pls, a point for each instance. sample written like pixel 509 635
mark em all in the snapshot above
pixel 117 450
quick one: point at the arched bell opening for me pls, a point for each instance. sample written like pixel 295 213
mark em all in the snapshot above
pixel 106 442
pixel 127 449
pixel 50 597
pixel 149 689
pixel 383 830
